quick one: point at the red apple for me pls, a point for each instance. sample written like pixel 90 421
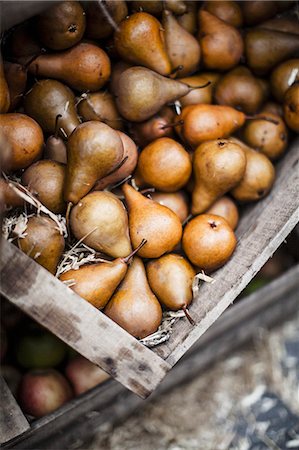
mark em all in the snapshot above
pixel 84 375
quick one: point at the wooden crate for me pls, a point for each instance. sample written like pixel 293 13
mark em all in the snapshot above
pixel 43 297
pixel 109 403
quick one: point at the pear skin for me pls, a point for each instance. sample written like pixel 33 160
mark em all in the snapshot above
pixel 226 208
pixel 291 107
pixel 130 38
pixel 283 76
pixel 102 220
pixel 204 95
pixel 134 306
pixel 176 201
pixel 8 197
pixel 94 150
pixel 226 10
pixel 16 77
pixel 218 166
pixel 43 242
pixel 149 220
pixel 97 25
pixel 221 44
pixel 4 91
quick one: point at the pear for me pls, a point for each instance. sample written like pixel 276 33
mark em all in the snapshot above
pixel 130 38
pixel 283 76
pixel 160 125
pixel 102 18
pixel 188 20
pixel 241 90
pixel 273 108
pixel 22 44
pixel 225 207
pixel 165 165
pixel 141 93
pixel 62 25
pixel 266 137
pixel 221 44
pixel 265 49
pixel 178 7
pixel 55 148
pixel 8 197
pixel 46 100
pixel 258 178
pixel 226 10
pixel 94 149
pixel 291 107
pixel 176 201
pixel 281 23
pixel 170 278
pixel 209 241
pixel 96 283
pixel 183 48
pixel 4 91
pixel 218 166
pixel 117 69
pixel 256 11
pixel 100 106
pixel 45 179
pixel 207 122
pixel 16 77
pixel 204 95
pixel 149 220
pixel 126 169
pixel 134 306
pixel 23 141
pixel 82 67
pixel 101 220
pixel 43 242
pixel 155 7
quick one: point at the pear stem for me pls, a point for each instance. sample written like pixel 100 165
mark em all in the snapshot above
pixel 128 258
pixel 187 314
pixel 176 70
pixel 118 166
pixel 107 15
pixel 201 86
pixel 67 217
pixel 27 64
pixel 147 191
pixel 57 125
pixel 171 125
pixel 262 117
pixel 114 186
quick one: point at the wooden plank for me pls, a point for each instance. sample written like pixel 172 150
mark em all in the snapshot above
pixel 262 229
pixel 110 403
pixel 12 420
pixel 75 321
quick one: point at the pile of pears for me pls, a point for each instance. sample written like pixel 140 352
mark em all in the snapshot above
pixel 146 124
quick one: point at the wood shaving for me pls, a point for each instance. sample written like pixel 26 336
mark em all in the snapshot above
pixel 165 329
pixel 201 276
pixel 14 226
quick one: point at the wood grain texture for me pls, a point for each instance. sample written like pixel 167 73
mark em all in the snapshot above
pixel 46 299
pixel 262 229
pixel 110 402
pixel 12 420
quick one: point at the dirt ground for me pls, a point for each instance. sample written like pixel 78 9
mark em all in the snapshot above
pixel 204 414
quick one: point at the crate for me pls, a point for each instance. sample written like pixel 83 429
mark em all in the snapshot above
pixel 43 297
pixel 109 403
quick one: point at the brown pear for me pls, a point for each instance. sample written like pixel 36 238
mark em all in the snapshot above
pixel 183 49
pixel 283 76
pixel 170 278
pixel 8 197
pixel 45 180
pixel 22 44
pixel 82 67
pixel 158 126
pixel 102 18
pixel 165 165
pixel 178 7
pixel 281 23
pixel 23 141
pixel 226 10
pixel 256 11
pixel 130 38
pixel 207 122
pixel 141 93
pixel 154 7
pixel 130 158
pixel 209 241
pixel 265 49
pixel 55 148
pixel 43 242
pixel 291 107
pixel 134 306
pixel 4 90
pixel 149 220
pixel 218 166
pixel 62 25
pixel 101 219
pixel 266 137
pixel 226 208
pixel 93 150
pixel 204 95
pixel 258 178
pixel 221 44
pixel 188 20
pixel 46 100
pixel 117 69
pixel 241 90
pixel 96 283
pixel 176 201
pixel 16 77
pixel 100 106
pixel 273 108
